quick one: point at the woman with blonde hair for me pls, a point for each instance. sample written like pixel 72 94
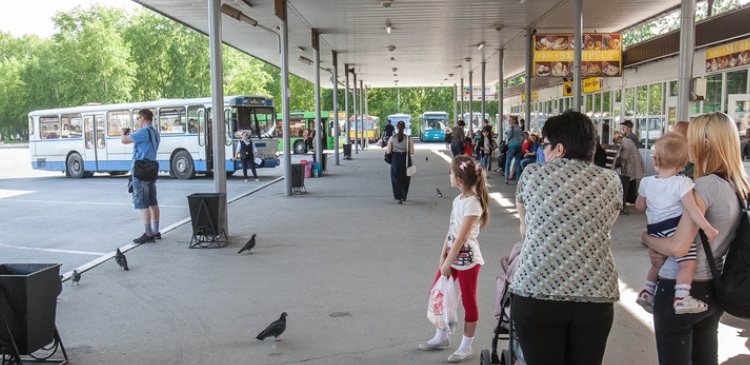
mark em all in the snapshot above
pixel 714 147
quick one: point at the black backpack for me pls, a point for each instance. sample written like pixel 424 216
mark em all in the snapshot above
pixel 733 284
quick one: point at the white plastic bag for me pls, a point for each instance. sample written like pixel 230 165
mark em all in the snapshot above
pixel 442 306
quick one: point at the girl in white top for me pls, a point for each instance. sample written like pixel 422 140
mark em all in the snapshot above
pixel 460 256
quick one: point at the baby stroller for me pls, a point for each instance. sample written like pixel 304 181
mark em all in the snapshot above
pixel 504 329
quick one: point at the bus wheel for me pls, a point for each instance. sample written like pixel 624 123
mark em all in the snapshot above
pixel 182 166
pixel 74 166
pixel 299 147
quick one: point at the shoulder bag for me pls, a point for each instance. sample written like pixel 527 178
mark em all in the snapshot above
pixel 146 170
pixel 410 170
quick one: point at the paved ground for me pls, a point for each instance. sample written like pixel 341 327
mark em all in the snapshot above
pixel 350 266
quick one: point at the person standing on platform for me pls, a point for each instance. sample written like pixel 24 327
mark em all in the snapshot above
pixel 457 138
pixel 402 147
pixel 146 141
pixel 514 139
pixel 246 152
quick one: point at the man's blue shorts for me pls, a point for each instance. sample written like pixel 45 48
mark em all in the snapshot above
pixel 144 193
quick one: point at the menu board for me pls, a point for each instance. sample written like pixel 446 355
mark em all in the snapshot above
pixel 601 55
pixel 727 56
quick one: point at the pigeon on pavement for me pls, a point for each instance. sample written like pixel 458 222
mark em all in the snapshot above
pixel 274 329
pixel 249 245
pixel 76 278
pixel 121 260
pixel 440 194
pixel 426 158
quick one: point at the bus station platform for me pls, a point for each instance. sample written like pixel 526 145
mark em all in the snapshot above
pixel 350 266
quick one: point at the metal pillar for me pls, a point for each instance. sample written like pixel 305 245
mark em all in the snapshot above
pixel 462 98
pixel 336 127
pixel 281 13
pixel 484 92
pixel 217 97
pixel 366 93
pixel 687 50
pixel 527 84
pixel 346 105
pixel 365 127
pixel 577 54
pixel 354 106
pixel 501 91
pixel 318 130
pixel 471 102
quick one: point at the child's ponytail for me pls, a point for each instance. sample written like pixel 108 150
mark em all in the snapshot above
pixel 481 187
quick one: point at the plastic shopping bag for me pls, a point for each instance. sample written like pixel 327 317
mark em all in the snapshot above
pixel 442 307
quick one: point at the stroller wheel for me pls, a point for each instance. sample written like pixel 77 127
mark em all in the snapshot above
pixel 484 357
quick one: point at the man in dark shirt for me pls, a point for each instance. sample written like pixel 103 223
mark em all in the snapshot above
pixel 387 132
pixel 627 130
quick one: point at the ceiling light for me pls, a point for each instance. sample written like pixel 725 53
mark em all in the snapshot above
pixel 498 27
pixel 234 13
pixel 395 75
pixel 393 59
pixel 388 26
pixel 458 67
pixel 386 3
pixel 391 48
pixel 395 69
pixel 305 60
pixel 467 59
pixel 301 49
pixel 450 75
pixel 480 45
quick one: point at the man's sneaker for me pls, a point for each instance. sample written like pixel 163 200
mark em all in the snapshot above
pixel 144 238
pixel 646 300
pixel 157 235
pixel 688 304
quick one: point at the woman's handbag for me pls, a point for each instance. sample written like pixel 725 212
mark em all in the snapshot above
pixel 388 158
pixel 410 170
pixel 442 306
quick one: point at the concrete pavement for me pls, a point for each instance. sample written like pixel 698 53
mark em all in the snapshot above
pixel 350 266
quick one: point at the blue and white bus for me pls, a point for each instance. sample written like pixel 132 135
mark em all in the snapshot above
pixel 400 117
pixel 432 126
pixel 476 121
pixel 81 141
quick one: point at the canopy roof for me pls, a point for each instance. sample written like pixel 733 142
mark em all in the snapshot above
pixel 430 38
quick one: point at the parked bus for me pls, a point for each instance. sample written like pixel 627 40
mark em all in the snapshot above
pixel 301 122
pixel 476 121
pixel 400 117
pixel 432 126
pixel 372 129
pixel 80 141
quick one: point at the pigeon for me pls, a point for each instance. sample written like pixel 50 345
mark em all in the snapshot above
pixel 121 260
pixel 426 158
pixel 76 277
pixel 440 194
pixel 274 329
pixel 249 245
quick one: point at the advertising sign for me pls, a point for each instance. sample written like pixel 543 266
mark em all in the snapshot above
pixel 490 92
pixel 727 56
pixel 601 55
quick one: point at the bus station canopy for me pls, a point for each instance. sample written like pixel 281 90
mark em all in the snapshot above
pixel 431 42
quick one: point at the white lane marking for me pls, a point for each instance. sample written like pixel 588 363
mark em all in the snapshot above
pixel 90 253
pixel 7 193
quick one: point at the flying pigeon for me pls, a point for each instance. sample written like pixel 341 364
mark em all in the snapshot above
pixel 121 260
pixel 249 245
pixel 440 194
pixel 76 277
pixel 274 329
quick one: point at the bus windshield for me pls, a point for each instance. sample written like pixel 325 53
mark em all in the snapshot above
pixel 434 123
pixel 257 121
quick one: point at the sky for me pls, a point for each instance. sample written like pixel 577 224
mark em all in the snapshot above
pixel 35 17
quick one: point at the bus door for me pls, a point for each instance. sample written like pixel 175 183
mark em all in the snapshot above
pixel 95 145
pixel 207 141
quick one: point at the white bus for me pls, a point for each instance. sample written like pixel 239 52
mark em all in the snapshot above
pixel 476 121
pixel 401 117
pixel 80 141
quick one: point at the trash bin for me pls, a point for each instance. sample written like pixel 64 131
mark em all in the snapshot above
pixel 298 178
pixel 347 151
pixel 28 300
pixel 208 213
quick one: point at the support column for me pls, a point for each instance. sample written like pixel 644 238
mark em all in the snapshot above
pixel 527 84
pixel 471 101
pixel 346 105
pixel 577 54
pixel 318 142
pixel 501 92
pixel 354 103
pixel 281 14
pixel 336 127
pixel 484 92
pixel 687 51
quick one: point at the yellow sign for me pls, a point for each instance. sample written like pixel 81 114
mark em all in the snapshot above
pixel 726 56
pixel 592 84
pixel 342 115
pixel 568 88
pixel 534 96
pixel 601 55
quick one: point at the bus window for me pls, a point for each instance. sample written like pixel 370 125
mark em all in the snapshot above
pixel 49 127
pixel 137 125
pixel 259 122
pixel 172 120
pixel 116 121
pixel 88 125
pixel 71 126
pixel 195 116
pixel 31 126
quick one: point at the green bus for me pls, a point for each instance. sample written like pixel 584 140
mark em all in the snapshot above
pixel 302 127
